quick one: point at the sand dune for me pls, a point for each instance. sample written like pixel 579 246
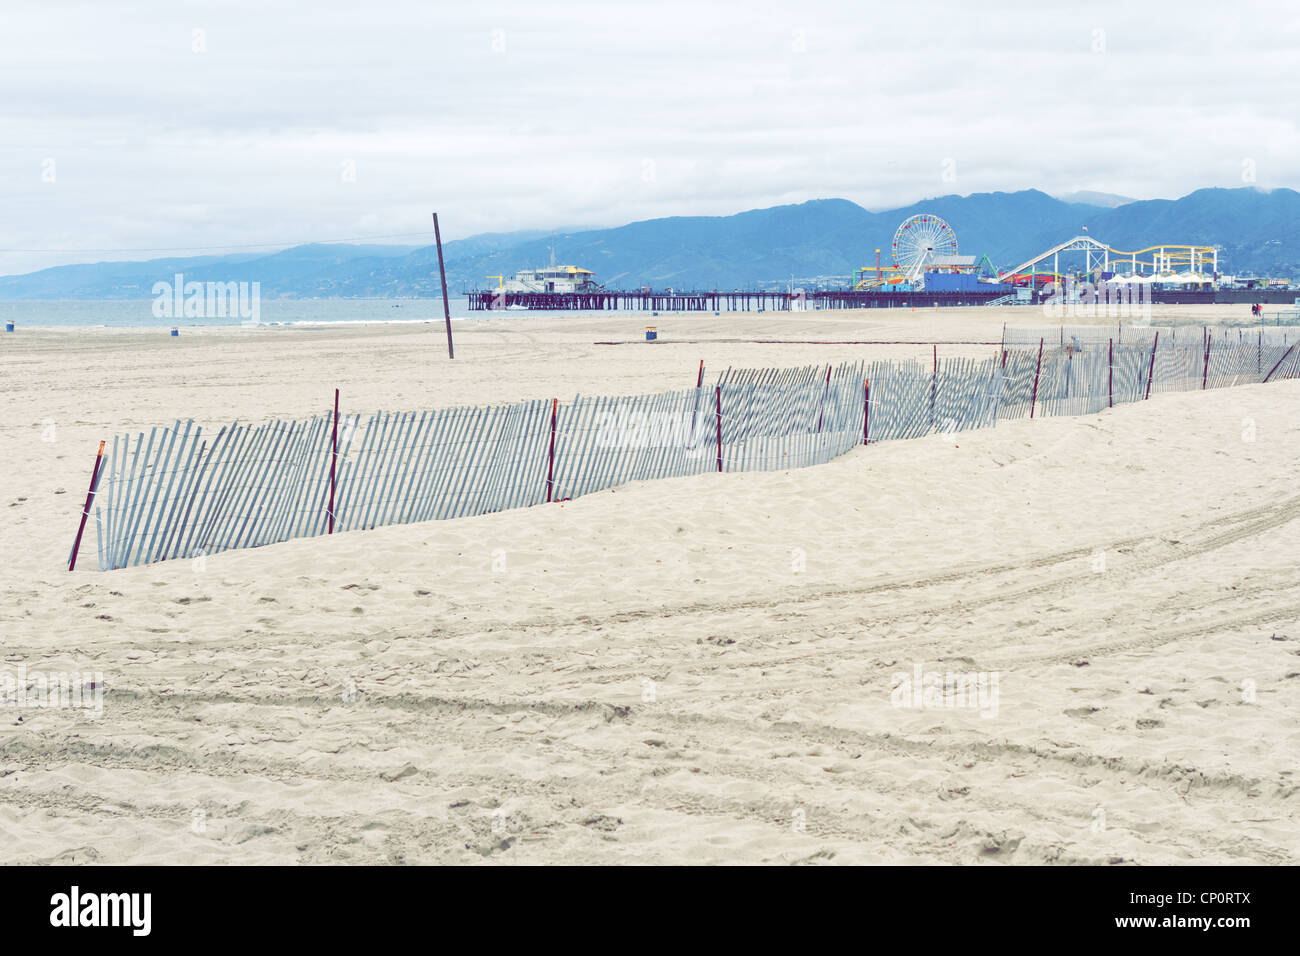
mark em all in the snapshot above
pixel 697 670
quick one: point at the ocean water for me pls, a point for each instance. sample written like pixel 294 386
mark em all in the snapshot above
pixel 140 313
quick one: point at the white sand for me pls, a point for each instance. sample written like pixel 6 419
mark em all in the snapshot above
pixel 498 712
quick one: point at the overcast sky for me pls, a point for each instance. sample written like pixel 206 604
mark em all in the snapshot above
pixel 131 128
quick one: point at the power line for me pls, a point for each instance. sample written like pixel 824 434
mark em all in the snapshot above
pixel 251 245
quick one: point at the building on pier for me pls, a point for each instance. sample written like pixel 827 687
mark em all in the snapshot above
pixel 552 278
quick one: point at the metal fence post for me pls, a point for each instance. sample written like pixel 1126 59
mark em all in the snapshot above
pixel 934 382
pixel 1280 361
pixel 1110 373
pixel 1034 398
pixel 1151 373
pixel 866 411
pixel 821 410
pixel 550 464
pixel 85 511
pixel 718 397
pixel 334 459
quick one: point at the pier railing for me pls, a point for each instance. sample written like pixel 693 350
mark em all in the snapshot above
pixel 640 300
pixel 183 492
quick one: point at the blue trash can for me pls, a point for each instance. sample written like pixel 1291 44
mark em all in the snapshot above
pixel 9 326
pixel 651 333
pixel 175 332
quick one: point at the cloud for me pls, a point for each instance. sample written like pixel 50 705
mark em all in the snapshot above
pixel 235 123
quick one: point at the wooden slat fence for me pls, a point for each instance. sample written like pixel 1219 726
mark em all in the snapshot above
pixel 180 491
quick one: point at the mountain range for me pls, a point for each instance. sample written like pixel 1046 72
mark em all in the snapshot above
pixel 825 237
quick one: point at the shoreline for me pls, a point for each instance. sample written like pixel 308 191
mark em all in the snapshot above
pixel 1228 316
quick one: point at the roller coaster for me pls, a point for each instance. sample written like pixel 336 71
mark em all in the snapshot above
pixel 1170 263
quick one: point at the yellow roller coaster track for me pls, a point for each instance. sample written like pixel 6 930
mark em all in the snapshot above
pixel 1173 255
pixel 1165 257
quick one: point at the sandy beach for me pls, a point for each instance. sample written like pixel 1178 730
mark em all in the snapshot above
pixel 701 670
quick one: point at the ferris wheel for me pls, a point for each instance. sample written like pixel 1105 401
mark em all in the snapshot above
pixel 920 239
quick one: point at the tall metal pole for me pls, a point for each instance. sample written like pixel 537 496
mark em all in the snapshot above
pixel 442 272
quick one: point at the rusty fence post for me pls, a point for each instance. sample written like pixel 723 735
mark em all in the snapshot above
pixel 85 511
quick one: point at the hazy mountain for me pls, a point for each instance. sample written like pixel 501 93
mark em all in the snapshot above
pixel 283 271
pixel 820 237
pixel 1089 197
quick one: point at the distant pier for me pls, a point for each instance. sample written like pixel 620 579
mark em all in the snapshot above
pixel 715 301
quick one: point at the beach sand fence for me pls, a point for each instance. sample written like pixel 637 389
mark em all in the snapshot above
pixel 1083 370
pixel 178 492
